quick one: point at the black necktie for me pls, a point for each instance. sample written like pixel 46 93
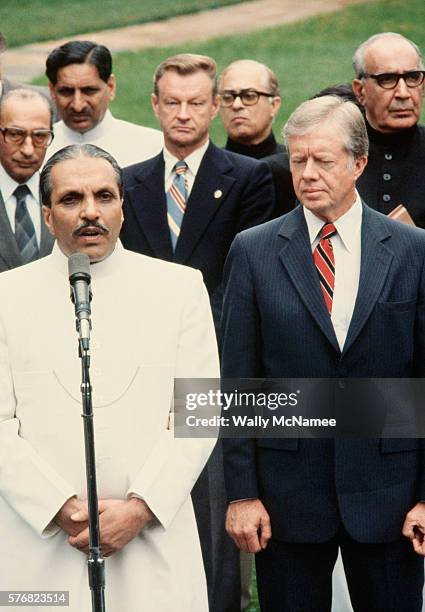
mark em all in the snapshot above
pixel 24 228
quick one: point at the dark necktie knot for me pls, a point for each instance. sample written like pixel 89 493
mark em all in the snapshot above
pixel 21 193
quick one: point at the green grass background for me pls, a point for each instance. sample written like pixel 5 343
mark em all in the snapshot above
pixel 306 56
pixel 36 20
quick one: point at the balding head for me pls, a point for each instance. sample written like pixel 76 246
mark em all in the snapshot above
pixel 393 109
pixel 244 123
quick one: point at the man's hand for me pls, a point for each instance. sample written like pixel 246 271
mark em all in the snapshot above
pixel 248 524
pixel 414 527
pixel 63 517
pixel 119 522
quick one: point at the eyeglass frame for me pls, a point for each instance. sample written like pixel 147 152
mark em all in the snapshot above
pixel 5 130
pixel 396 75
pixel 239 95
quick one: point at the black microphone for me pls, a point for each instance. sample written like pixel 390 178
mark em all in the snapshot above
pixel 80 277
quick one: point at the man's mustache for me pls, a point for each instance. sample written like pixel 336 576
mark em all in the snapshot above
pixel 94 224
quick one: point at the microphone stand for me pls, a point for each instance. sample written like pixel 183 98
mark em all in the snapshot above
pixel 95 561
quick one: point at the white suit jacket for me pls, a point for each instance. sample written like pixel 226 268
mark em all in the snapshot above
pixel 127 142
pixel 151 323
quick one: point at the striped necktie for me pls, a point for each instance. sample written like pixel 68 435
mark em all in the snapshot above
pixel 324 260
pixel 24 228
pixel 176 201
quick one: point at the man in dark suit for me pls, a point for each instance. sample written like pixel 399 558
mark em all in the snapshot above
pixel 389 84
pixel 26 131
pixel 225 193
pixel 186 205
pixel 250 101
pixel 331 290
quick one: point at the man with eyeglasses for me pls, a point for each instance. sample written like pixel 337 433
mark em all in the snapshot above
pixel 26 132
pixel 389 84
pixel 250 101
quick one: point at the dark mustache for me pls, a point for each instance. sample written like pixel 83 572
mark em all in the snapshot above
pixel 93 224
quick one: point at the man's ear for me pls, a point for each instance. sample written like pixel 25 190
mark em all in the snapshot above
pixel 215 106
pixel 47 214
pixel 358 88
pixel 275 105
pixel 155 102
pixel 112 86
pixel 52 90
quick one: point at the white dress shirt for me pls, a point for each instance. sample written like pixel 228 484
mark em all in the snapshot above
pixel 346 245
pixel 127 142
pixel 193 162
pixel 8 186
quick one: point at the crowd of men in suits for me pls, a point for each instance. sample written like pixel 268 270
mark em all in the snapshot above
pixel 187 201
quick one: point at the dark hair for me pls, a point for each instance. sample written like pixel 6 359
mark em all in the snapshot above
pixel 79 52
pixel 343 91
pixel 74 152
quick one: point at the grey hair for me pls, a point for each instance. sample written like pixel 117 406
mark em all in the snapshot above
pixel 359 63
pixel 75 152
pixel 26 94
pixel 348 117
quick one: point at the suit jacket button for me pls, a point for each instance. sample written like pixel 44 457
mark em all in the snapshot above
pixel 341 384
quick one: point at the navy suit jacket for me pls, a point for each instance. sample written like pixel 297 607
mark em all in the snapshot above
pixel 275 325
pixel 231 192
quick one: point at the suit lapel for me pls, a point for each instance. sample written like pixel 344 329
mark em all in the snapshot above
pixel 208 194
pixel 376 260
pixel 297 258
pixel 147 199
pixel 9 251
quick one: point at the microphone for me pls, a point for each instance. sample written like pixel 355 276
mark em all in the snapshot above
pixel 80 277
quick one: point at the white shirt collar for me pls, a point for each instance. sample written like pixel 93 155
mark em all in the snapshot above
pixel 347 225
pixel 193 160
pixel 99 130
pixel 8 185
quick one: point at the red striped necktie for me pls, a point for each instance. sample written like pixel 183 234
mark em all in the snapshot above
pixel 324 260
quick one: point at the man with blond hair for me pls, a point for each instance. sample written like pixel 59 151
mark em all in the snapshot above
pixel 331 290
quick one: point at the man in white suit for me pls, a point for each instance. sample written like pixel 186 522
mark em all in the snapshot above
pixel 151 323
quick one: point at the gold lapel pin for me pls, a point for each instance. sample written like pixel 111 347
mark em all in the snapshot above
pixel 218 193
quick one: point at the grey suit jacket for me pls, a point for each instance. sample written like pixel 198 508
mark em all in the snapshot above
pixel 10 257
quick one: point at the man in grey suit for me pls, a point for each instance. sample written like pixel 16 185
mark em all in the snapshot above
pixel 26 132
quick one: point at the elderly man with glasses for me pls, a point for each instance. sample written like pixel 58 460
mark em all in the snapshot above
pixel 389 84
pixel 250 101
pixel 25 126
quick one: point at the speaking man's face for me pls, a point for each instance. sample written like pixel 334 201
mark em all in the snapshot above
pixel 86 207
pixel 22 159
pixel 185 107
pixel 324 174
pixel 81 96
